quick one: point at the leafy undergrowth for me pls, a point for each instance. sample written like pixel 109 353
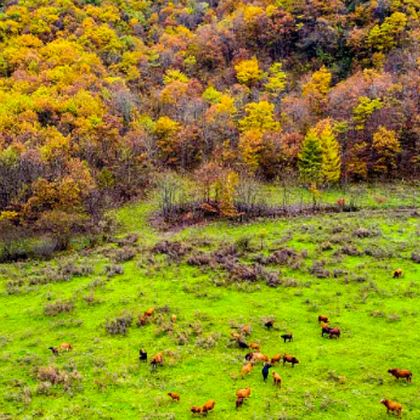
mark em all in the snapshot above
pixel 214 279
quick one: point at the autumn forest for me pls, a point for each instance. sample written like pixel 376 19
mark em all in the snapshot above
pixel 99 98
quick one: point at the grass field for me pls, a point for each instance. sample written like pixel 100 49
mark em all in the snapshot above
pixel 339 265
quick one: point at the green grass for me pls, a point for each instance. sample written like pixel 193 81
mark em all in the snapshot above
pixel 342 378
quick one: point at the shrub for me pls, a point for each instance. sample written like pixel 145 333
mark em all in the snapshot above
pixel 285 256
pixel 54 376
pixel 113 270
pixel 58 307
pixel 119 325
pixel 207 342
pixel 44 248
pixel 181 338
pixel 290 283
pixel 326 246
pixel 175 250
pixel 273 280
pixel 126 253
pixel 130 239
pixel 196 328
pixel 319 271
pixel 350 250
pixel 339 273
pixel 96 283
pixel 243 244
pixel 14 287
pixel 90 299
pixel 199 259
pixel 377 252
pixel 44 388
pixel 365 233
pixel 415 256
pixel 164 328
pixel 332 376
pixel 393 318
pixel 377 314
pixel 70 269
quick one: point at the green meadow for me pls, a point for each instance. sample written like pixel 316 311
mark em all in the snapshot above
pixel 340 265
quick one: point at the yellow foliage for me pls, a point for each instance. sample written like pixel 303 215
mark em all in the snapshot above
pixel 385 36
pixel 319 84
pixel 276 82
pixel 102 37
pixel 226 192
pixel 317 88
pixel 56 146
pixel 331 157
pixel 226 105
pixel 250 146
pixel 259 116
pixel 251 13
pixel 212 95
pixel 248 71
pixel 8 215
pixel 173 92
pixel 387 147
pixel 166 127
pixel 173 75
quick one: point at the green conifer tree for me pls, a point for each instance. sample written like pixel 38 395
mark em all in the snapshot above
pixel 310 158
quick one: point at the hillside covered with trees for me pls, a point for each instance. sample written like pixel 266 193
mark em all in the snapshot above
pixel 97 97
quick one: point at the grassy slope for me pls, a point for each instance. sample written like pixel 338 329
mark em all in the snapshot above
pixel 115 385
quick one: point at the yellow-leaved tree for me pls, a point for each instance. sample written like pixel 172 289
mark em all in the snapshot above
pixel 317 88
pixel 250 146
pixel 227 189
pixel 331 159
pixel 386 148
pixel 248 72
pixel 259 116
pixel 259 119
pixel 319 159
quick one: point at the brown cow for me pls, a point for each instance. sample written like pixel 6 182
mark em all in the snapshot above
pixel 142 320
pixel 174 395
pixel 208 406
pixel 276 358
pixel 323 318
pixel 259 357
pixel 334 332
pixel 392 406
pixel 65 347
pixel 397 273
pixel 246 369
pixel 277 379
pixel 195 409
pixel 157 360
pixel 401 373
pixel 149 312
pixel 243 393
pixel 254 346
pixel 287 358
pixel 246 329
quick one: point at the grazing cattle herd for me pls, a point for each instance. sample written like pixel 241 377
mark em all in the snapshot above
pixel 254 357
